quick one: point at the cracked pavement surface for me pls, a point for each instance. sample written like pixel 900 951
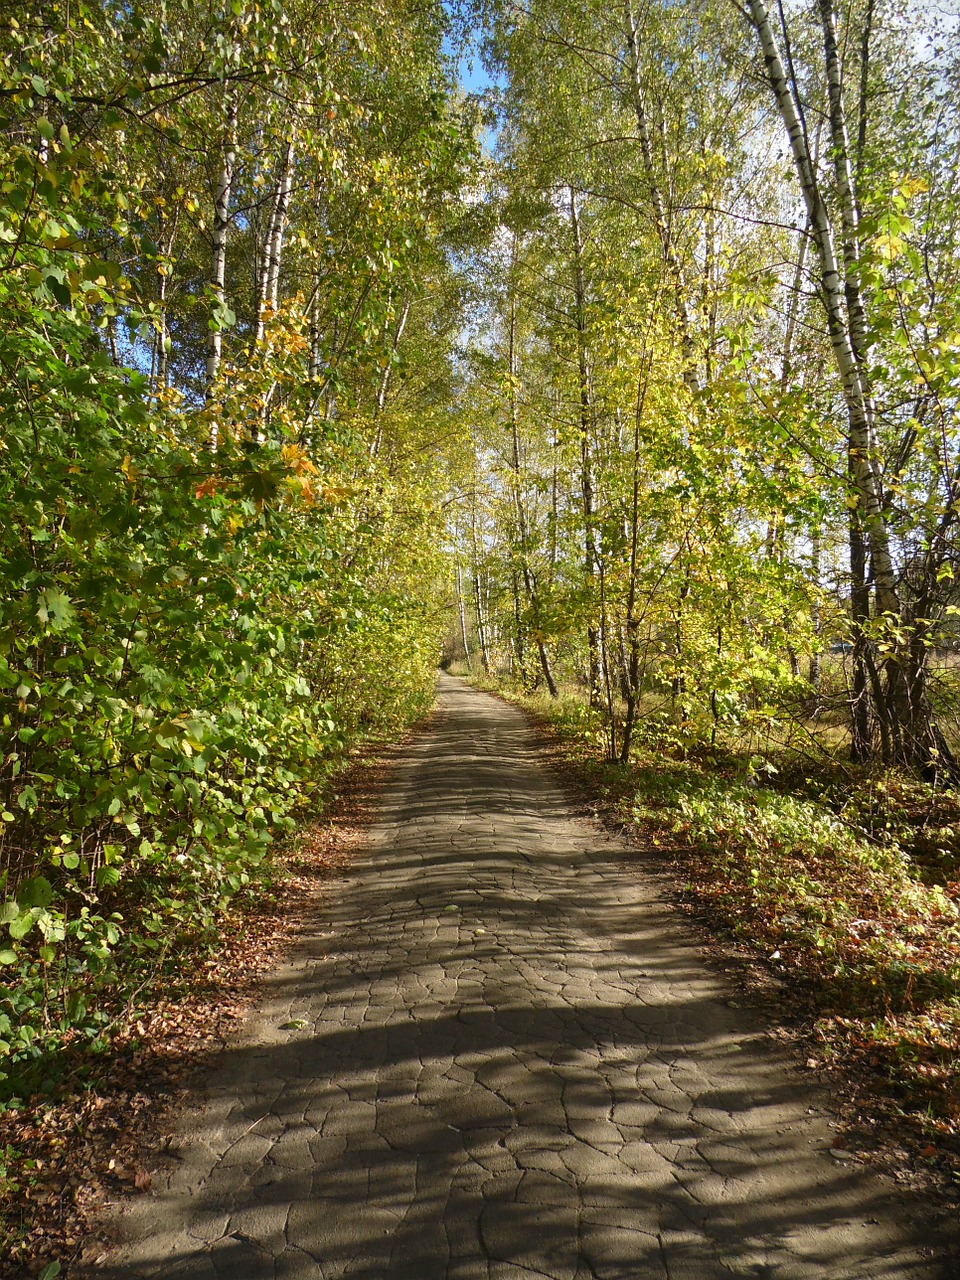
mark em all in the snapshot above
pixel 500 1056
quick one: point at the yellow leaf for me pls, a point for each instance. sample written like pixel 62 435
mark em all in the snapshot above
pixel 889 247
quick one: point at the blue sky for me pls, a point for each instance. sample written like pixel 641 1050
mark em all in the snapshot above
pixel 473 76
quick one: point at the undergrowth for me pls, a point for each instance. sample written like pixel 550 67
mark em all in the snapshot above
pixel 831 887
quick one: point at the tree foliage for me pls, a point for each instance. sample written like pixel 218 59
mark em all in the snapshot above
pixel 731 266
pixel 226 310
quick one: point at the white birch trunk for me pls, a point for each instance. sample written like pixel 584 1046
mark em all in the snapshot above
pixel 394 346
pixel 591 559
pixel 461 608
pixel 221 227
pixel 846 187
pixel 384 386
pixel 314 365
pixel 478 586
pixel 667 246
pixel 273 241
pixel 864 462
pixel 529 580
pixel 280 224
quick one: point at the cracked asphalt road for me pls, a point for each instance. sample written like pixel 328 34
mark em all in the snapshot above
pixel 500 1056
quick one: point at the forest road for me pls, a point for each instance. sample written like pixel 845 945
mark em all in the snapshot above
pixel 500 1056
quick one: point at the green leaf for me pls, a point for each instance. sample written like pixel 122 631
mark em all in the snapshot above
pixel 20 927
pixel 35 892
pixel 7 956
pixel 75 1006
pixel 28 799
pixel 55 608
pixel 59 288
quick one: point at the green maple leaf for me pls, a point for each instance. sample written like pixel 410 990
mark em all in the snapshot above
pixel 55 609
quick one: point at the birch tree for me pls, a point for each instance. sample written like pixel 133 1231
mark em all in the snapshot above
pixel 890 647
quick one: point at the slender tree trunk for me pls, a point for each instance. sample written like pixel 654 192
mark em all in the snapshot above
pixel 657 203
pixel 775 528
pixel 632 691
pixel 590 561
pixel 529 580
pixel 865 48
pixel 710 290
pixel 714 711
pixel 555 496
pixel 163 339
pixel 270 273
pixel 221 227
pixel 273 240
pixel 281 217
pixel 605 667
pixel 314 364
pixel 463 613
pixel 481 621
pixel 846 188
pixel 623 664
pixel 679 683
pixel 813 672
pixel 112 341
pixel 384 386
pixel 394 347
pixel 519 642
pixel 478 589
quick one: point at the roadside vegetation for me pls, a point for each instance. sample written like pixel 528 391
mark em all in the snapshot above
pixel 825 880
pixel 227 312
pixel 226 317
